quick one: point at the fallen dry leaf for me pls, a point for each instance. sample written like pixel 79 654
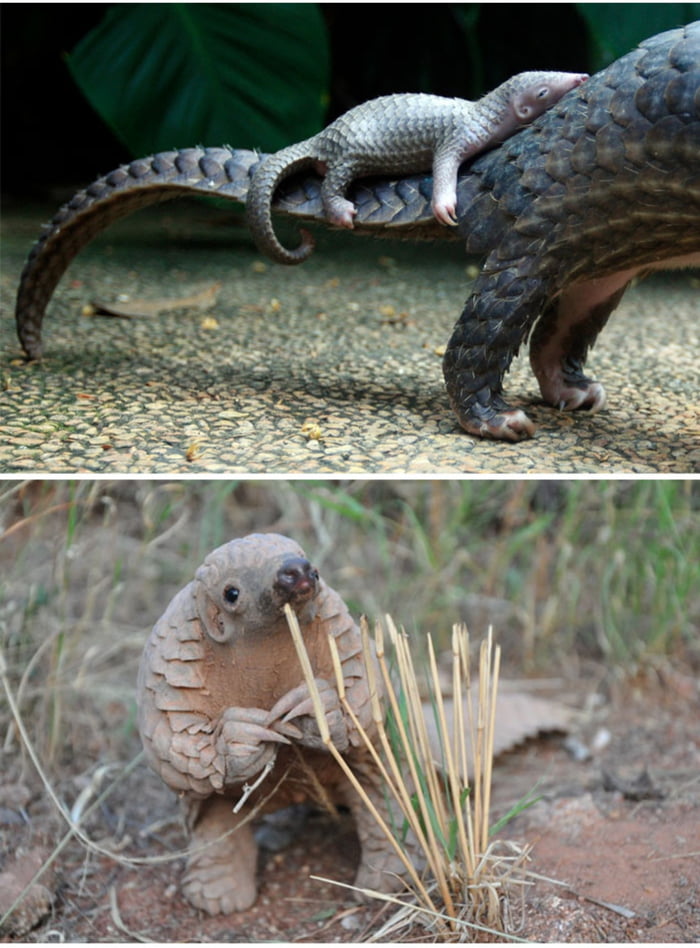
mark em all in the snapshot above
pixel 193 452
pixel 312 430
pixel 130 309
pixel 519 716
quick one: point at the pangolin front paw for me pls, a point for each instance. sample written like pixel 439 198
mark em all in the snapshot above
pixel 245 742
pixel 444 209
pixel 296 706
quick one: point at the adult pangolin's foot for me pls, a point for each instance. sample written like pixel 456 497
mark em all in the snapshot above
pixel 590 397
pixel 567 388
pixel 495 420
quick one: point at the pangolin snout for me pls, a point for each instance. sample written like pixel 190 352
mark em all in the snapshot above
pixel 297 579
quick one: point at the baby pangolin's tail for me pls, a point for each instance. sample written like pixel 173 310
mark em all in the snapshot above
pixel 265 180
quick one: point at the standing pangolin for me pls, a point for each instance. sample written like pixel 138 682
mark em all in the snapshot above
pixel 400 134
pixel 221 696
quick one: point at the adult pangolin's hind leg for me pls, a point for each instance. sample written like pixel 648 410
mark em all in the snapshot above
pixel 561 340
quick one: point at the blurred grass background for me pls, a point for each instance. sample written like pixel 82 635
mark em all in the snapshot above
pixel 580 579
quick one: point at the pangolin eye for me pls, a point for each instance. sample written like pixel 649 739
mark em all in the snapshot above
pixel 231 594
pixel 543 93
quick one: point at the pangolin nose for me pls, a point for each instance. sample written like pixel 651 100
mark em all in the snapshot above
pixel 297 575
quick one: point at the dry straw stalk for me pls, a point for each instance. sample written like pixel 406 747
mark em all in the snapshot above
pixel 435 757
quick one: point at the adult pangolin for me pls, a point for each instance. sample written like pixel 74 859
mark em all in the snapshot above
pixel 226 718
pixel 603 186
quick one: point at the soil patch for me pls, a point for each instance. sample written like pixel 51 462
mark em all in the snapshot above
pixel 627 870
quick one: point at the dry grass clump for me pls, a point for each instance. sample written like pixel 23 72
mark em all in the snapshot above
pixel 437 775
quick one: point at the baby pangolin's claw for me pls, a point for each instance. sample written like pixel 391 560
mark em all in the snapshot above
pixel 298 702
pixel 251 734
pixel 247 726
pixel 289 730
pixel 286 707
pixel 446 213
pixel 304 707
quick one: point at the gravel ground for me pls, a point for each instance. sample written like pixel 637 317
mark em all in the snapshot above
pixel 331 367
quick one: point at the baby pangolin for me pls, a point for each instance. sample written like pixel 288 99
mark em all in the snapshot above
pixel 399 134
pixel 222 697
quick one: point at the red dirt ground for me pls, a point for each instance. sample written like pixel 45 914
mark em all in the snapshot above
pixel 641 857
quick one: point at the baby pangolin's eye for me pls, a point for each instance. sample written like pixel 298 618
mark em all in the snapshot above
pixel 231 594
pixel 543 93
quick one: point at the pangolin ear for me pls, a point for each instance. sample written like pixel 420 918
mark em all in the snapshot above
pixel 218 624
pixel 522 110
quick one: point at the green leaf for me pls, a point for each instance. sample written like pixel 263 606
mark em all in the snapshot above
pixel 527 801
pixel 162 76
pixel 324 913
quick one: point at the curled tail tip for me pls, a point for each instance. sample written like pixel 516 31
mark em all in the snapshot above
pixel 307 244
pixel 300 253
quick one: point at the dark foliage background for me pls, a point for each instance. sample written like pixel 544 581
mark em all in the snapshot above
pixel 86 86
